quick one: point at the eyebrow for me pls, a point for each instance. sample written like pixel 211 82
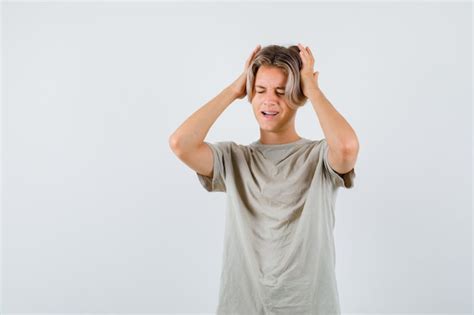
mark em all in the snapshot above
pixel 279 87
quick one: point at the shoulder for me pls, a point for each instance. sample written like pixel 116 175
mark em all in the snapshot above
pixel 318 143
pixel 237 151
pixel 234 146
pixel 226 147
pixel 314 144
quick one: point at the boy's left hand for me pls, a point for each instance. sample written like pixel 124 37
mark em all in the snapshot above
pixel 309 79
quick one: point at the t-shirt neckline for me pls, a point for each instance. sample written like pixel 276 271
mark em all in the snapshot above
pixel 280 145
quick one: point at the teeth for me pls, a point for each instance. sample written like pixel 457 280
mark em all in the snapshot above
pixel 270 113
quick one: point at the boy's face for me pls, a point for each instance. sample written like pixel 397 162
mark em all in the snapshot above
pixel 270 96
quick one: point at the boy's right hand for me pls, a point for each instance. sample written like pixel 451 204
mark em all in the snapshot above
pixel 239 85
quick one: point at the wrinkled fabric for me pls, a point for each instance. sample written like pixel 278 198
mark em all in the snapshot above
pixel 279 253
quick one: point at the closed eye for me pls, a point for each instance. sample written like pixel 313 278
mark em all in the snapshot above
pixel 277 93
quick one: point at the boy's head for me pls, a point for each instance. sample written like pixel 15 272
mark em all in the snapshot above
pixel 273 84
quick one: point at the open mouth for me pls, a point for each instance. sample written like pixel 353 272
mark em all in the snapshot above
pixel 269 114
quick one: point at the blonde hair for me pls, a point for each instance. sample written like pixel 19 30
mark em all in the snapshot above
pixel 286 59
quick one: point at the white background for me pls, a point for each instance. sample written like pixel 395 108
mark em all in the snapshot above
pixel 99 216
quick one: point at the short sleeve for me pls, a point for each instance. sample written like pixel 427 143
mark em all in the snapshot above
pixel 340 180
pixel 217 182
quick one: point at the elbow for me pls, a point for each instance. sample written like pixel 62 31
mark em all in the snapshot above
pixel 173 143
pixel 178 145
pixel 181 145
pixel 351 149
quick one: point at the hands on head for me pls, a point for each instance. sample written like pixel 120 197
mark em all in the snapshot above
pixel 309 79
pixel 239 85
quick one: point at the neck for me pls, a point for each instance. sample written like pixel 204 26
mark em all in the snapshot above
pixel 276 138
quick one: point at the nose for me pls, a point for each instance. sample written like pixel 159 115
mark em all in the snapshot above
pixel 271 98
pixel 269 105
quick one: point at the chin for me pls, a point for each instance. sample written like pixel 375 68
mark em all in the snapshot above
pixel 267 128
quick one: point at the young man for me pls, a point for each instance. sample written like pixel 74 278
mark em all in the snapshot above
pixel 279 247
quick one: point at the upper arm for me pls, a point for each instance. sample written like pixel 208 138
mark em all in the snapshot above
pixel 339 166
pixel 208 160
pixel 200 159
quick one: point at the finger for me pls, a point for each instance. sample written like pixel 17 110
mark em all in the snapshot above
pixel 254 52
pixel 247 62
pixel 308 53
pixel 304 55
pixel 303 51
pixel 257 49
pixel 252 56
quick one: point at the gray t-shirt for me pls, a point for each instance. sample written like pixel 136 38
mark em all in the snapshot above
pixel 279 255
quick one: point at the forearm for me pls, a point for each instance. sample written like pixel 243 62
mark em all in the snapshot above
pixel 337 131
pixel 192 132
